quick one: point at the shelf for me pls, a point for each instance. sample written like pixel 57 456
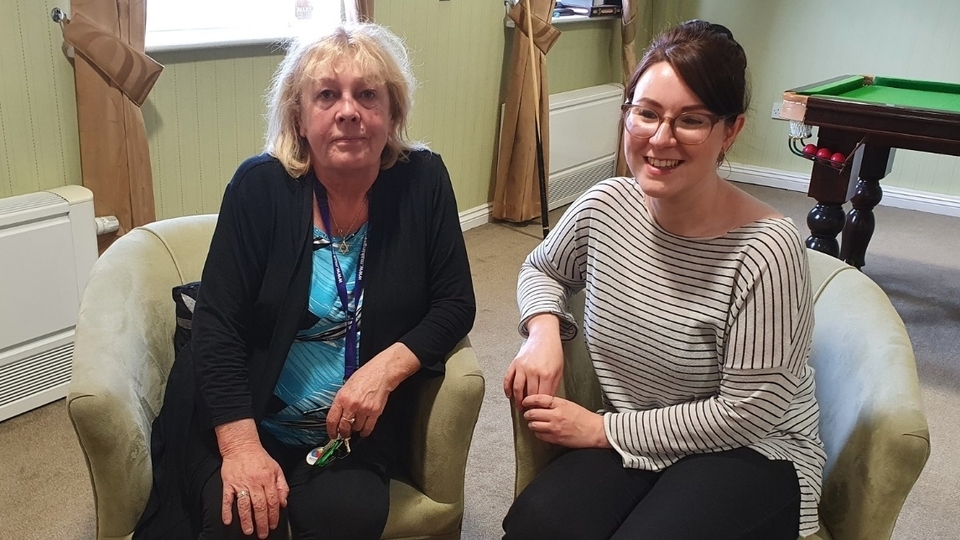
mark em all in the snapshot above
pixel 569 19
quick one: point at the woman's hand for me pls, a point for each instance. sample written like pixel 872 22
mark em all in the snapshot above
pixel 563 422
pixel 251 477
pixel 538 367
pixel 360 402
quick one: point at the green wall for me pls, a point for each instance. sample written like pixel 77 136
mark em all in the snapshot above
pixel 205 113
pixel 39 146
pixel 789 44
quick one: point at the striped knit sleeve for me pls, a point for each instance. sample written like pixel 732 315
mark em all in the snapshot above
pixel 555 269
pixel 762 363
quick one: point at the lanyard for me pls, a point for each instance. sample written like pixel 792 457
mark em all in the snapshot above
pixel 350 362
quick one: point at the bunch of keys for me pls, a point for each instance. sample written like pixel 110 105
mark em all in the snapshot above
pixel 321 456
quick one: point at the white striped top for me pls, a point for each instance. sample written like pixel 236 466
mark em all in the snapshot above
pixel 700 344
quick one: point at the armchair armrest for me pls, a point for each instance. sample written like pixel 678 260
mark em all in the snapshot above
pixel 444 419
pixel 579 385
pixel 119 465
pixel 871 415
pixel 119 372
pixel 532 454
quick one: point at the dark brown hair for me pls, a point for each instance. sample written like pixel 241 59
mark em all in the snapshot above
pixel 708 60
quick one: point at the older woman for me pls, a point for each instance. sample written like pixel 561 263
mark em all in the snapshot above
pixel 337 274
pixel 698 319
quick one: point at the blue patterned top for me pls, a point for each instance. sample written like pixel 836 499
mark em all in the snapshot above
pixel 313 371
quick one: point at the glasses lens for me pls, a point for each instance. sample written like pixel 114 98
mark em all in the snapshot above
pixel 641 122
pixel 692 128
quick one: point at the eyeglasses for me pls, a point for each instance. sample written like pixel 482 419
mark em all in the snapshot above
pixel 688 128
pixel 322 456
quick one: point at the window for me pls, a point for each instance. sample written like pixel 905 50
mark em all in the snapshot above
pixel 191 24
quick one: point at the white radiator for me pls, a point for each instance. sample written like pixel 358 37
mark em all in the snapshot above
pixel 48 245
pixel 583 140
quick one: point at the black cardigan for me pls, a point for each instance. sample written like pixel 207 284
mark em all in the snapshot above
pixel 254 291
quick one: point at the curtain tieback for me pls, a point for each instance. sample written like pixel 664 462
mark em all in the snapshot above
pixel 131 70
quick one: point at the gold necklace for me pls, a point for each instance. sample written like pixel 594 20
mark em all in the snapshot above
pixel 344 247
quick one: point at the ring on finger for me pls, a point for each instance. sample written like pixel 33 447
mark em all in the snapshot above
pixel 350 420
pixel 243 493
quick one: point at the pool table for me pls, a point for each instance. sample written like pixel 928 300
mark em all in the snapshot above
pixel 866 119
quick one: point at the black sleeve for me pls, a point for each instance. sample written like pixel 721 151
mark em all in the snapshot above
pixel 452 305
pixel 232 276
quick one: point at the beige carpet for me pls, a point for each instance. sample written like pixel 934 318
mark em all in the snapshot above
pixel 45 492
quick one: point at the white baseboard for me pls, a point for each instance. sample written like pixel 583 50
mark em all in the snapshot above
pixel 896 197
pixel 476 216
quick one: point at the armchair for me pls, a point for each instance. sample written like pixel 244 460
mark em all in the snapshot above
pixel 871 419
pixel 124 351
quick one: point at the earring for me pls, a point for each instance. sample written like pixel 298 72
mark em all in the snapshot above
pixel 721 157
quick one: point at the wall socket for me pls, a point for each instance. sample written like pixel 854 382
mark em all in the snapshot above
pixel 775 111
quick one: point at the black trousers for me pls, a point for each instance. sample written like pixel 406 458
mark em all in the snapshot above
pixel 348 499
pixel 588 494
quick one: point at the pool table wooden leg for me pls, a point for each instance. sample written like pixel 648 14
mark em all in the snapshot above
pixel 831 188
pixel 876 163
pixel 825 221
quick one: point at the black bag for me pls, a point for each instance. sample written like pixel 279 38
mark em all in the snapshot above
pixel 185 298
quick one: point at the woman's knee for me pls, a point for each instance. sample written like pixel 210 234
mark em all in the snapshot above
pixel 311 520
pixel 578 496
pixel 212 528
pixel 732 494
pixel 532 517
pixel 350 504
pixel 211 518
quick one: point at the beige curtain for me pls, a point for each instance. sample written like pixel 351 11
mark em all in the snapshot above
pixel 517 194
pixel 628 60
pixel 358 10
pixel 113 77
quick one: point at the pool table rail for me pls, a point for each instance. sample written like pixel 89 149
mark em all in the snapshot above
pixel 913 128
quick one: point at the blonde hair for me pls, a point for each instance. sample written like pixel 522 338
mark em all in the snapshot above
pixel 375 51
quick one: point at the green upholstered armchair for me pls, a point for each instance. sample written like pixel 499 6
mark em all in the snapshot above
pixel 871 419
pixel 123 353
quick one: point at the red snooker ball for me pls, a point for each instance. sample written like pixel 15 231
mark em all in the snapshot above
pixel 824 153
pixel 838 158
pixel 810 150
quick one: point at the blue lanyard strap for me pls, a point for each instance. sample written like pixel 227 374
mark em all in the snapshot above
pixel 350 356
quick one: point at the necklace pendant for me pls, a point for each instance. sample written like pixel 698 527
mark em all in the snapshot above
pixel 344 247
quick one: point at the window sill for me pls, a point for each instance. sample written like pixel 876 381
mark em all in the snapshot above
pixel 212 38
pixel 183 40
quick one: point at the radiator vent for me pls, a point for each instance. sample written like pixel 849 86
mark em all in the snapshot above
pixel 40 378
pixel 583 140
pixel 15 205
pixel 48 244
pixel 574 182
